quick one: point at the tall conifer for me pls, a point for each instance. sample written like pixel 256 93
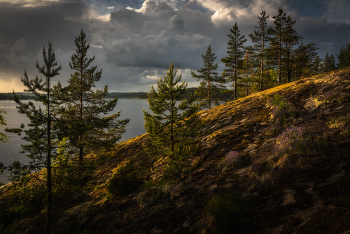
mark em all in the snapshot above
pixel 344 57
pixel 211 82
pixel 40 134
pixel 328 63
pixel 234 60
pixel 316 66
pixel 81 108
pixel 260 39
pixel 277 33
pixel 290 40
pixel 173 127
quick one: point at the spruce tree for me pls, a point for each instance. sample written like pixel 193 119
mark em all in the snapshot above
pixel 211 82
pixel 81 108
pixel 173 127
pixel 344 57
pixel 260 39
pixel 234 60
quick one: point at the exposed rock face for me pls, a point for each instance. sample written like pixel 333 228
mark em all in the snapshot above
pixel 293 188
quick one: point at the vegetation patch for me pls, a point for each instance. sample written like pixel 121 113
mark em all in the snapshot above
pixel 230 213
pixel 125 180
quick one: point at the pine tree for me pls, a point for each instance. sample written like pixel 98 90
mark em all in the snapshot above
pixel 172 128
pixel 344 57
pixel 211 82
pixel 234 60
pixel 290 40
pixel 260 39
pixel 40 133
pixel 328 63
pixel 316 65
pixel 276 48
pixel 301 60
pixel 81 107
pixel 249 63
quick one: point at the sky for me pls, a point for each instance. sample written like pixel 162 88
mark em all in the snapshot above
pixel 135 41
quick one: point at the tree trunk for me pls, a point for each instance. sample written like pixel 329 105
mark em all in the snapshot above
pixel 81 115
pixel 208 90
pixel 172 125
pixel 49 184
pixel 262 63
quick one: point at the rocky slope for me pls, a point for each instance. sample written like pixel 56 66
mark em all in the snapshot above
pixel 289 167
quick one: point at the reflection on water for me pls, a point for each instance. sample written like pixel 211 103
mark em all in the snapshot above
pixel 9 151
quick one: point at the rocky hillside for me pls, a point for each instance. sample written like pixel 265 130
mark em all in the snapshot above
pixel 273 162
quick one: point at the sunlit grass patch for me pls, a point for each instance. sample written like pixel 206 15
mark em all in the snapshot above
pixel 341 124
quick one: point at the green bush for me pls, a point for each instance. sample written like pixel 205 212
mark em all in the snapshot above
pixel 20 202
pixel 125 181
pixel 229 212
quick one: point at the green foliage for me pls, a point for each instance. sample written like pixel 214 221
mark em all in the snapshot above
pixel 178 164
pixel 234 59
pixel 283 109
pixel 21 200
pixel 261 39
pixel 3 137
pixel 40 150
pixel 173 127
pixel 81 108
pixel 124 181
pixel 328 63
pixel 229 211
pixel 211 82
pixel 277 35
pixel 316 66
pixel 277 101
pixel 344 57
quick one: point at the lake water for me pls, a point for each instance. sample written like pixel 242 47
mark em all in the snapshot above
pixel 9 151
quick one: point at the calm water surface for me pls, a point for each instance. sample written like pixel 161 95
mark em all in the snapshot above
pixel 9 151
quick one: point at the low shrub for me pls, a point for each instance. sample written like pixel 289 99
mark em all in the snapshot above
pixel 124 181
pixel 291 144
pixel 229 211
pixel 20 202
pixel 294 140
pixel 283 114
pixel 283 109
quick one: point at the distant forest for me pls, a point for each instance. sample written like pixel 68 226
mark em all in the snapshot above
pixel 126 95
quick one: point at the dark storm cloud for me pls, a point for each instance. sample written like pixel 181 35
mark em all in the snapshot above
pixel 329 36
pixel 135 41
pixel 25 30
